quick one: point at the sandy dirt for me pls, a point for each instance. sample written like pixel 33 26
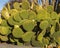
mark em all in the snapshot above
pixel 4 45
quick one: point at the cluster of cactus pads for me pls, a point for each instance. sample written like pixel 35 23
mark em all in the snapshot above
pixel 21 25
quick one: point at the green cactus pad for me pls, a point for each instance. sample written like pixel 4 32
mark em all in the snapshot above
pixel 5 13
pixel 44 24
pixel 17 32
pixel 18 43
pixel 52 30
pixel 0 20
pixel 53 22
pixel 13 12
pixel 11 40
pixel 32 15
pixel 36 43
pixel 16 17
pixel 27 36
pixel 11 21
pixel 54 15
pixel 50 9
pixel 58 40
pixel 56 34
pixel 45 41
pixel 24 14
pixel 40 36
pixel 4 30
pixel 42 15
pixel 4 38
pixel 4 23
pixel 16 5
pixel 56 37
pixel 25 5
pixel 29 25
pixel 8 7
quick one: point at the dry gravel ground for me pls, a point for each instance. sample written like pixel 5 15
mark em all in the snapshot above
pixel 4 45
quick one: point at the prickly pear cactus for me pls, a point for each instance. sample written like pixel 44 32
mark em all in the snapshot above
pixel 3 38
pixel 4 30
pixel 25 5
pixel 24 14
pixel 27 36
pixel 16 5
pixel 44 24
pixel 17 32
pixel 29 24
